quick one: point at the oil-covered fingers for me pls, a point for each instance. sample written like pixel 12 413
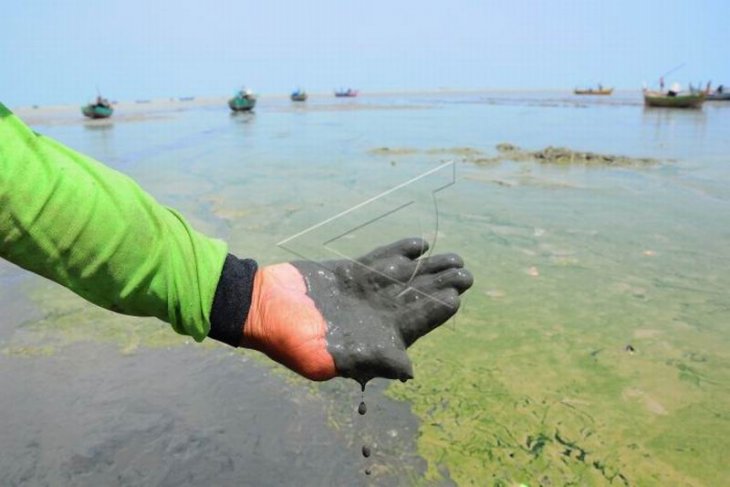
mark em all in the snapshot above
pixel 392 270
pixel 427 312
pixel 457 278
pixel 408 247
pixel 438 263
pixel 388 363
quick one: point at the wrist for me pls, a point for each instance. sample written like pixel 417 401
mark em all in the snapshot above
pixel 268 302
pixel 232 301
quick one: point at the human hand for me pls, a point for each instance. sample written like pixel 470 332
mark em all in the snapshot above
pixel 354 318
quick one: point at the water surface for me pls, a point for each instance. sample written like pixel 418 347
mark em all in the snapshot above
pixel 533 382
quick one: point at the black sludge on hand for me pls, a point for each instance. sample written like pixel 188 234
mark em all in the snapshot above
pixel 378 305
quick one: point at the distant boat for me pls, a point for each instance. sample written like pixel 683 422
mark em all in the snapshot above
pixel 348 93
pixel 719 94
pixel 101 108
pixel 244 101
pixel 680 100
pixel 186 98
pixel 591 91
pixel 299 95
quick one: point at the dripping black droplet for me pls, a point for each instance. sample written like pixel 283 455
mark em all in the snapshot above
pixel 365 451
pixel 362 408
pixel 368 471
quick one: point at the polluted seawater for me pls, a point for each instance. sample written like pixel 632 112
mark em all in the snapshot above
pixel 517 375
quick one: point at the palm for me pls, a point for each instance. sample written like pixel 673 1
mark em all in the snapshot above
pixel 285 324
pixel 363 313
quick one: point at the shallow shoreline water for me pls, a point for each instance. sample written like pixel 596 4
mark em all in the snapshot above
pixel 91 399
pixel 533 381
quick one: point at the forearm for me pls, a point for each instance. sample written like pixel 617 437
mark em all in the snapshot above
pixel 94 230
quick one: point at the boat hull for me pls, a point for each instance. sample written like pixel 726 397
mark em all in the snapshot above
pixel 299 97
pixel 718 97
pixel 605 92
pixel 242 104
pixel 97 111
pixel 660 100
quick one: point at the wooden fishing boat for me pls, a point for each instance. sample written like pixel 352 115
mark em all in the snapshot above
pixel 99 109
pixel 680 100
pixel 299 95
pixel 348 93
pixel 591 91
pixel 244 101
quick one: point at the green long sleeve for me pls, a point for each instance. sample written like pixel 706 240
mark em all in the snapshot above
pixel 93 230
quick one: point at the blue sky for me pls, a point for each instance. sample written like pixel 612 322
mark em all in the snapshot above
pixel 59 51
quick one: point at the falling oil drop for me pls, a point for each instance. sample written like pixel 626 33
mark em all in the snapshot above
pixel 362 408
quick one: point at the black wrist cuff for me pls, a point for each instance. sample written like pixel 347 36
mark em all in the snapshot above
pixel 232 300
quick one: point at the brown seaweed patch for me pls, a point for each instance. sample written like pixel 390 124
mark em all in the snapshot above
pixel 486 179
pixel 651 404
pixel 456 151
pixel 485 160
pixel 642 333
pixel 511 152
pixel 221 210
pixel 392 151
pixel 467 153
pixel 506 147
pixel 565 156
pixel 28 351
